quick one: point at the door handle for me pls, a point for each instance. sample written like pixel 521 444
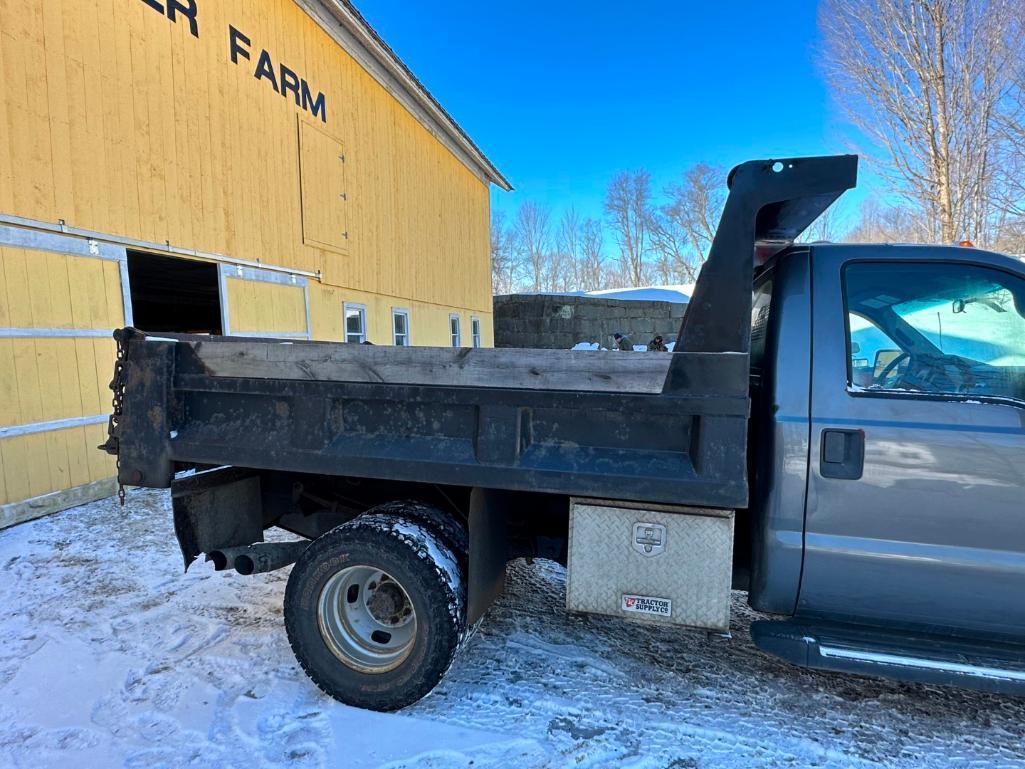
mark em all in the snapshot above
pixel 842 454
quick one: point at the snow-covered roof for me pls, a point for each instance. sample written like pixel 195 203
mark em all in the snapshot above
pixel 678 294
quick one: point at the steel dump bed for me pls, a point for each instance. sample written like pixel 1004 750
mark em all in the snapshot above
pixel 574 422
pixel 655 427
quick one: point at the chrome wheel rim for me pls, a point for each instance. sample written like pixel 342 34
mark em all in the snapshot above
pixel 366 619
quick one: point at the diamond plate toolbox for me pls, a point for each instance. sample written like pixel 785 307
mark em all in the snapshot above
pixel 650 562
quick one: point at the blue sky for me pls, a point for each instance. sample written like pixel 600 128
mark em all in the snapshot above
pixel 561 95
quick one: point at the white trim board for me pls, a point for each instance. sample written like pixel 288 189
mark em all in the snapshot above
pixel 100 240
pixel 36 507
pixel 62 333
pixel 54 424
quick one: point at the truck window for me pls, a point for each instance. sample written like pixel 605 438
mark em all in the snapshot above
pixel 935 327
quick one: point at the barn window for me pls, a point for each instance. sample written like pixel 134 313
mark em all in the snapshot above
pixel 475 331
pixel 400 327
pixel 355 323
pixel 453 324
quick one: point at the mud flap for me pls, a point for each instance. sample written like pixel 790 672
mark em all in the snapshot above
pixel 216 509
pixel 488 551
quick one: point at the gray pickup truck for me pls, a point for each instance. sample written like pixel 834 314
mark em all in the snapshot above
pixel 846 443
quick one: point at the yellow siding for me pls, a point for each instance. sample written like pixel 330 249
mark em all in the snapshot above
pixel 255 306
pixel 428 323
pixel 33 465
pixel 47 290
pixel 43 379
pixel 118 120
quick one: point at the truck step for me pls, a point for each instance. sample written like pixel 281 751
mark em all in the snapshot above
pixel 948 661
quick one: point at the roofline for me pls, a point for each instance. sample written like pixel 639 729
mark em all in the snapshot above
pixel 347 26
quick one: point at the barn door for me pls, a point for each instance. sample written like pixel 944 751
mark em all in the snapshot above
pixel 257 302
pixel 60 298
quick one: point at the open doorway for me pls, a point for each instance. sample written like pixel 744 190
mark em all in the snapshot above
pixel 176 295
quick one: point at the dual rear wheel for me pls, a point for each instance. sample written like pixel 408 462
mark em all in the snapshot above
pixel 375 609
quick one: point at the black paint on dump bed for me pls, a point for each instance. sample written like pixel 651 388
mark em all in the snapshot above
pixel 656 427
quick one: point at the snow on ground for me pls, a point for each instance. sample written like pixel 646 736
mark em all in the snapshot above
pixel 111 657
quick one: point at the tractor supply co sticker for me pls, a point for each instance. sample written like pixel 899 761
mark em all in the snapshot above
pixel 642 604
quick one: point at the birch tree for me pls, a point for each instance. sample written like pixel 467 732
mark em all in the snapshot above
pixel 926 81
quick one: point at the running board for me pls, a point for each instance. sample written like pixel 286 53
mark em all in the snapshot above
pixel 947 661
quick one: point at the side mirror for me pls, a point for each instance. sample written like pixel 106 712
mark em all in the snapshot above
pixel 855 348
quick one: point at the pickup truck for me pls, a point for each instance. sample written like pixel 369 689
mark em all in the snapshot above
pixel 840 433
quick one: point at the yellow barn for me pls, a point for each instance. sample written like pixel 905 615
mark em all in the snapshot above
pixel 246 167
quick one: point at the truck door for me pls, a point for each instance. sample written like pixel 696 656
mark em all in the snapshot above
pixel 915 514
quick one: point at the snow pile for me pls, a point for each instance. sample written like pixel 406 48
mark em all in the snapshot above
pixel 596 346
pixel 677 294
pixel 110 656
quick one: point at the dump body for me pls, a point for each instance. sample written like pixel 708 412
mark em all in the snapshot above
pixel 579 423
pixel 649 427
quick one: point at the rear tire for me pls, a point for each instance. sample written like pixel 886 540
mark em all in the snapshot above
pixel 375 609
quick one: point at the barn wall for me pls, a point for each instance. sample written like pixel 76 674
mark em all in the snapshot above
pixel 116 119
pixel 123 128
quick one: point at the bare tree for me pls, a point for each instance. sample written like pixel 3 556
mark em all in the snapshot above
pixel 1011 226
pixel 504 264
pixel 925 81
pixel 565 266
pixel 592 256
pixel 532 231
pixel 827 227
pixel 628 206
pixel 685 225
pixel 888 223
pixel 664 248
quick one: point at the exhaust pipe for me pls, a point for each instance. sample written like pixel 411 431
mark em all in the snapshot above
pixel 258 558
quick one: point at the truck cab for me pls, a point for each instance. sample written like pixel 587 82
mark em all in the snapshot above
pixel 888 456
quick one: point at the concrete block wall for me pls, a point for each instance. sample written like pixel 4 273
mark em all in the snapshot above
pixel 559 322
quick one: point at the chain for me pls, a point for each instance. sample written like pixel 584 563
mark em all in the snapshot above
pixel 117 386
